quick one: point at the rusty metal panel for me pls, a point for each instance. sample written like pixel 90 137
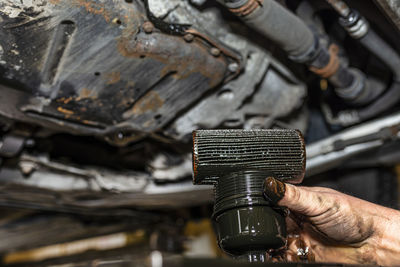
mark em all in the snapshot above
pixel 100 67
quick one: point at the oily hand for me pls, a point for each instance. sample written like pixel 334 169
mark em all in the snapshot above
pixel 329 226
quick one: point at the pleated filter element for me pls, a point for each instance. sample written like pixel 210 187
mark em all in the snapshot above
pixel 216 153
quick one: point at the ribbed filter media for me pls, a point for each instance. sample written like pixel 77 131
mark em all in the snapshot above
pixel 216 153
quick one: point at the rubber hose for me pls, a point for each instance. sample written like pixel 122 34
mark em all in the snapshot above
pixel 385 102
pixel 383 51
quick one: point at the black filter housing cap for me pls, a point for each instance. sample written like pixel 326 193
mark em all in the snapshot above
pixel 237 162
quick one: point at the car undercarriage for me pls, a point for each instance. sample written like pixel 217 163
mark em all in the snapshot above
pixel 99 99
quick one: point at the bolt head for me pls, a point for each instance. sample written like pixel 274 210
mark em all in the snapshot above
pixel 215 52
pixel 148 27
pixel 27 167
pixel 233 67
pixel 188 37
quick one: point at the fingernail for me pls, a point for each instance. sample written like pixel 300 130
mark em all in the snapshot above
pixel 274 190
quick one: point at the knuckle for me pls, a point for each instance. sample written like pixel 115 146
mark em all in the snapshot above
pixel 295 194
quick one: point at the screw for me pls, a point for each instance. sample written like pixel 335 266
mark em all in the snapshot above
pixel 215 52
pixel 27 167
pixel 188 37
pixel 120 135
pixel 233 67
pixel 148 27
pixel 30 143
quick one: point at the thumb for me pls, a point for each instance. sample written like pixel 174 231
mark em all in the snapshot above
pixel 297 199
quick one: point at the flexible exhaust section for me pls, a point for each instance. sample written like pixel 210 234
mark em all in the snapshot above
pixel 303 46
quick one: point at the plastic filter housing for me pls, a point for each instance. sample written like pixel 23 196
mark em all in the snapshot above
pixel 237 162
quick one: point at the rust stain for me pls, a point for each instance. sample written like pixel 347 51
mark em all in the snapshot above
pixel 126 102
pixel 87 122
pixel 246 9
pixel 64 100
pixel 149 102
pixel 130 84
pixel 86 93
pixel 111 10
pixel 178 57
pixel 94 8
pixel 91 6
pixel 113 77
pixel 333 65
pixel 65 111
pixel 132 20
pixel 127 95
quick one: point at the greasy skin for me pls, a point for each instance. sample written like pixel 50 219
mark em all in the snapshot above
pixel 274 190
pixel 328 226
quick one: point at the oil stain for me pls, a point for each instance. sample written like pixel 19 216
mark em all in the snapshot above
pixel 274 190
